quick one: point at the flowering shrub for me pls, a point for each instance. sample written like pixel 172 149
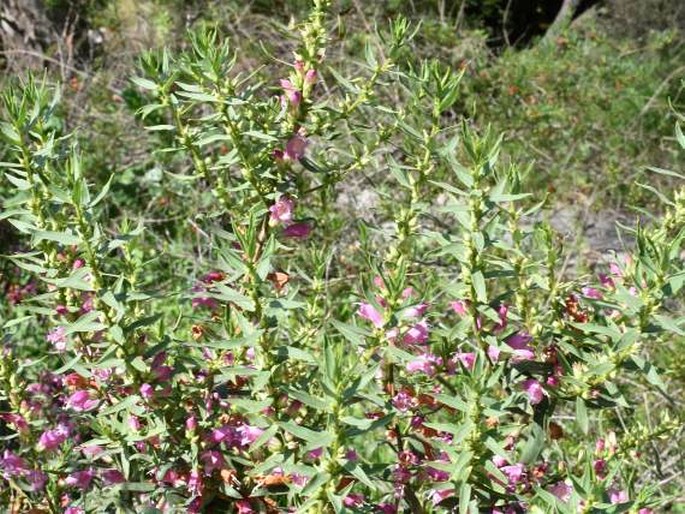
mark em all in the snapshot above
pixel 286 356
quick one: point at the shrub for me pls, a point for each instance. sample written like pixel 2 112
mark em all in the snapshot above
pixel 270 350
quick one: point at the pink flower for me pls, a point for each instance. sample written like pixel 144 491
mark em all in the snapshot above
pixel 74 510
pixel 17 420
pixel 386 508
pixel 295 148
pixel 437 496
pixel 12 465
pixel 353 500
pixel 80 401
pixel 310 77
pixel 515 473
pixel 51 439
pixel 502 314
pixel 282 210
pixel 291 94
pixel 426 363
pixel 460 307
pixel 416 311
pixel 534 390
pixel 418 334
pixel 36 479
pixel 519 342
pixel 616 496
pixel 80 479
pixel 316 453
pixel 599 465
pixel 112 477
pixel 403 401
pixel 249 434
pixel 146 391
pixel 369 312
pixel 191 423
pixel 244 507
pixel 561 490
pixel 299 230
pixel 591 292
pixel 58 338
pixel 467 359
pixel 212 459
pixel 493 353
pixel 645 510
pixel 606 281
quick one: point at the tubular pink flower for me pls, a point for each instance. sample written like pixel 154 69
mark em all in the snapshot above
pixel 36 479
pixel 519 342
pixel 112 477
pixel 80 401
pixel 369 312
pixel 298 230
pixel 295 148
pixel 460 307
pixel 418 334
pixel 80 479
pixel 534 390
pixel 249 434
pixel 58 338
pixel 212 460
pixel 282 210
pixel 561 490
pixel 426 363
pixel 616 496
pixel 591 292
pixel 415 311
pixel 12 465
pixel 51 439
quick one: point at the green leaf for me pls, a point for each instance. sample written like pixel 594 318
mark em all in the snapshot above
pixel 581 416
pixel 479 286
pixel 65 238
pixel 144 83
pixel 321 439
pixel 86 323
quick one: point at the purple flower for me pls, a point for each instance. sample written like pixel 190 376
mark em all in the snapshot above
pixel 519 342
pixel 436 496
pixel 534 390
pixel 80 479
pixel 591 292
pixel 291 94
pixel 282 210
pixel 51 439
pixel 299 230
pixel 416 311
pixel 80 401
pixel 514 473
pixel 353 500
pixel 212 460
pixel 12 465
pixel 112 477
pixel 616 496
pixel 493 353
pixel 146 391
pixel 249 434
pixel 467 359
pixel 426 363
pixel 295 148
pixel 310 77
pixel 418 334
pixel 36 479
pixel 58 338
pixel 369 312
pixel 460 307
pixel 403 401
pixel 502 314
pixel 74 510
pixel 561 490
